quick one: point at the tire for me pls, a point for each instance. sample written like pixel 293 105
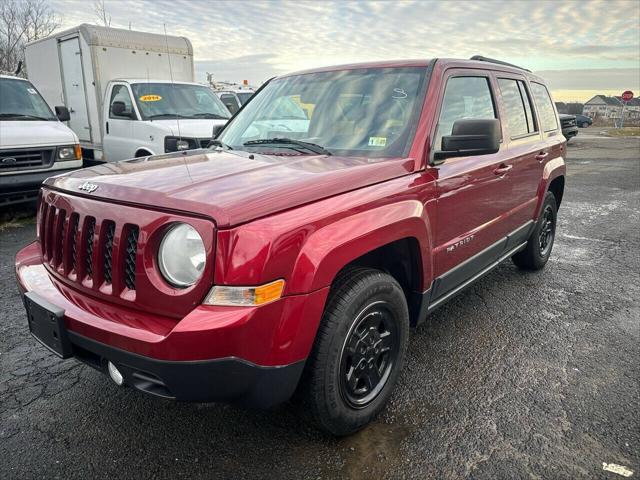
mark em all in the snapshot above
pixel 364 330
pixel 584 124
pixel 538 249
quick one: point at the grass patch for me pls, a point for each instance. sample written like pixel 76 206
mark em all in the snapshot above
pixel 624 132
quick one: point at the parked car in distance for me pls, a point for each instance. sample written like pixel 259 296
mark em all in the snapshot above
pixel 234 99
pixel 583 121
pixel 34 143
pixel 274 262
pixel 130 94
pixel 569 127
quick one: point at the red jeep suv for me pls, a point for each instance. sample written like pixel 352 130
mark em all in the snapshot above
pixel 337 209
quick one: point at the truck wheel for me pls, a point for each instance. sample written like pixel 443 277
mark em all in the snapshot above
pixel 358 352
pixel 585 124
pixel 538 249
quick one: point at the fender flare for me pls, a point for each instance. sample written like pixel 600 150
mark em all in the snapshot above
pixel 337 244
pixel 139 149
pixel 553 169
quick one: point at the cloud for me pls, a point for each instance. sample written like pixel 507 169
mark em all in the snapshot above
pixel 592 79
pixel 255 40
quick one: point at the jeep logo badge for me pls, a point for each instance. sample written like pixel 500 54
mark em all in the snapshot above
pixel 88 187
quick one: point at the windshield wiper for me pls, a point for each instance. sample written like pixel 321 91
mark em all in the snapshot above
pixel 166 115
pixel 22 115
pixel 210 115
pixel 312 147
pixel 217 143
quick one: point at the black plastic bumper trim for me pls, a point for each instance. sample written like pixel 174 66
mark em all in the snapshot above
pixel 230 380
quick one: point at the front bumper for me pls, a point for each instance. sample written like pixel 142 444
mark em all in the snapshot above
pixel 570 132
pixel 249 355
pixel 24 186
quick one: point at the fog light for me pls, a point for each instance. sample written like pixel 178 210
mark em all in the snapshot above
pixel 115 374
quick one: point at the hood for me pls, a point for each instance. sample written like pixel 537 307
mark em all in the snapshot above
pixel 191 128
pixel 230 187
pixel 34 133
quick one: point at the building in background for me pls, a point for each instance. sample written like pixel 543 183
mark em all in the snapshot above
pixel 605 108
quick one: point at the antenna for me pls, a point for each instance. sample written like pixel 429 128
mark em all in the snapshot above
pixel 166 42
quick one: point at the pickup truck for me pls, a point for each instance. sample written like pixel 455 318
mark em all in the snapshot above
pixel 280 262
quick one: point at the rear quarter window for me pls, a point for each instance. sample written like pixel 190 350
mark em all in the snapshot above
pixel 546 112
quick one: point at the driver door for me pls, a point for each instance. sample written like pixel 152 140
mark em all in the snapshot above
pixel 118 142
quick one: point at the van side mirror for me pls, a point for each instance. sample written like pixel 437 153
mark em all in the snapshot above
pixel 62 113
pixel 471 136
pixel 119 110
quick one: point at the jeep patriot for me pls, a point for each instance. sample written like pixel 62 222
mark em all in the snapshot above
pixel 335 211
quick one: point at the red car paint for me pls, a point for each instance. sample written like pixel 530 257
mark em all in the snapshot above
pixel 301 218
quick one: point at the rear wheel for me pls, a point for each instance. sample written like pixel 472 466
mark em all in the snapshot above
pixel 585 124
pixel 538 249
pixel 358 352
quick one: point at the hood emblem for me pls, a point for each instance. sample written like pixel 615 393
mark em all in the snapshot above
pixel 88 187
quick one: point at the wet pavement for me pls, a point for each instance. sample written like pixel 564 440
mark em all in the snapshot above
pixel 524 375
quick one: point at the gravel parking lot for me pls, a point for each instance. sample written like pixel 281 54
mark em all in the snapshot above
pixel 524 375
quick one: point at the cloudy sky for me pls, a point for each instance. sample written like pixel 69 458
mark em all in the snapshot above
pixel 580 46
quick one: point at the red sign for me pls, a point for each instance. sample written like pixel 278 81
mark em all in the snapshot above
pixel 626 96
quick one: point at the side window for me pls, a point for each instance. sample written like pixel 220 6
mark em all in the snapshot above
pixel 464 97
pixel 518 107
pixel 230 102
pixel 548 120
pixel 119 97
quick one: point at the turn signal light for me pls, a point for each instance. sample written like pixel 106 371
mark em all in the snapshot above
pixel 245 296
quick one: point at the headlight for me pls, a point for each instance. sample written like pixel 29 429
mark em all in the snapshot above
pixel 182 256
pixel 177 144
pixel 72 152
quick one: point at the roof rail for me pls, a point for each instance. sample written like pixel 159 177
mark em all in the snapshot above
pixel 480 58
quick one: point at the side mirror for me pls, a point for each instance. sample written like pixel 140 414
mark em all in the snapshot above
pixel 63 113
pixel 119 110
pixel 471 137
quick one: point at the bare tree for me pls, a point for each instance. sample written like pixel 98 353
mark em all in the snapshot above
pixel 21 22
pixel 101 13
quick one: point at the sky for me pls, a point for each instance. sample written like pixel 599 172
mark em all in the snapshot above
pixel 580 47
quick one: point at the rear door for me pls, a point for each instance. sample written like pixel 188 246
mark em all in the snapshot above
pixel 525 147
pixel 73 86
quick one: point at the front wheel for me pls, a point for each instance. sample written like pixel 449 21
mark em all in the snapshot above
pixel 358 352
pixel 538 250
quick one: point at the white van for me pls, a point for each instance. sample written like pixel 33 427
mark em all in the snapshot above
pixel 129 93
pixel 34 143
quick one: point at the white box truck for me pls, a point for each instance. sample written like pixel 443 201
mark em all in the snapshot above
pixel 129 93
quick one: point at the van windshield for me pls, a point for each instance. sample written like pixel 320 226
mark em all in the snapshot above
pixel 20 101
pixel 362 112
pixel 177 100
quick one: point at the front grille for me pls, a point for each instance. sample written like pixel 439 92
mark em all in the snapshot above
pixel 130 258
pixel 568 123
pixel 108 252
pixel 24 159
pixel 88 258
pixel 69 241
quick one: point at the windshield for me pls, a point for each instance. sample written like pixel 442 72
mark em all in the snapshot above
pixel 244 96
pixel 177 100
pixel 20 101
pixel 363 112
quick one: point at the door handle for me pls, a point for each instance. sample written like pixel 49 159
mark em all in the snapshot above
pixel 541 156
pixel 107 125
pixel 502 169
